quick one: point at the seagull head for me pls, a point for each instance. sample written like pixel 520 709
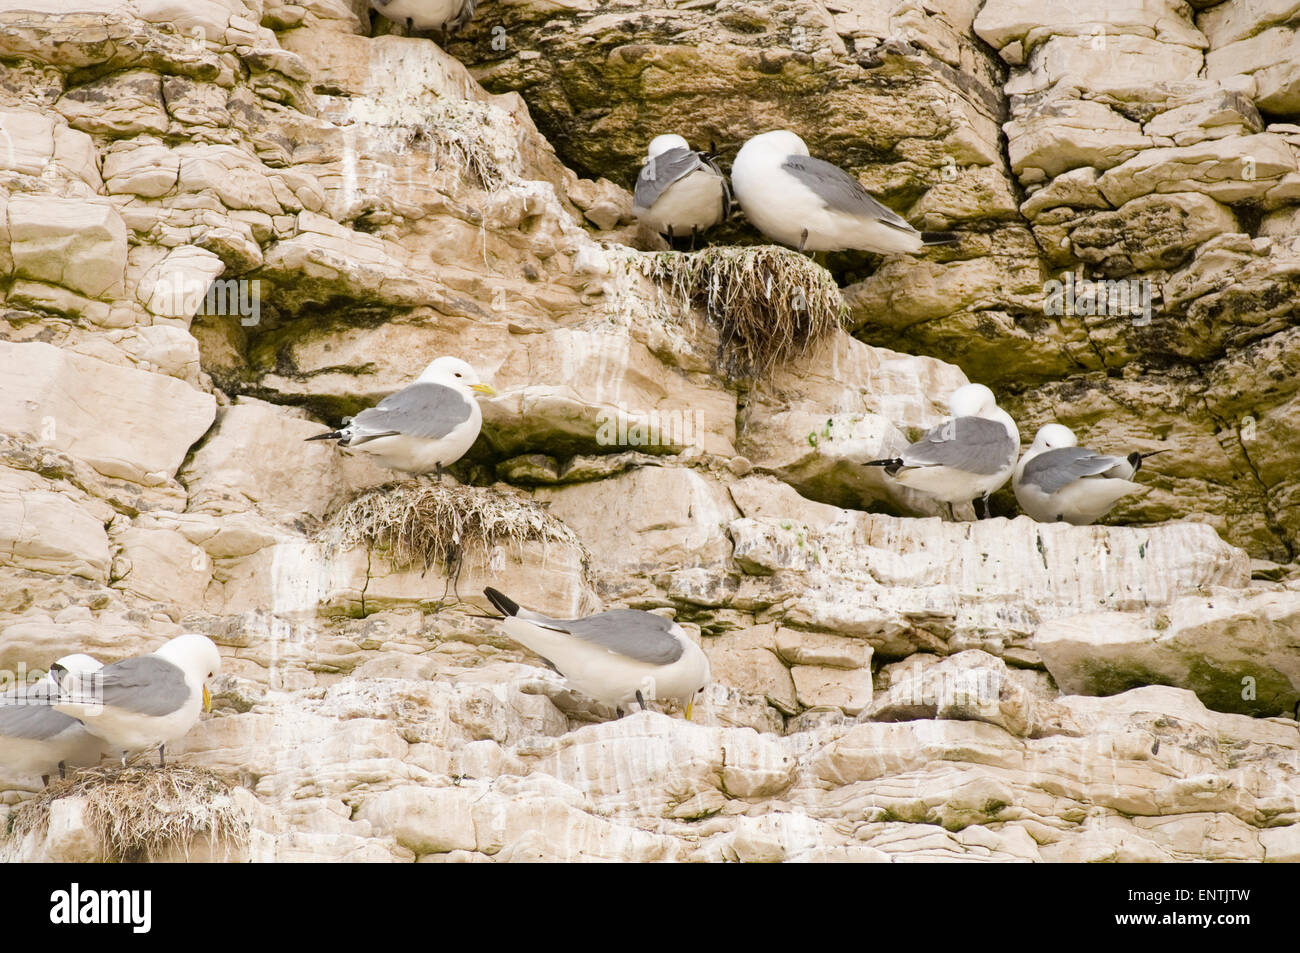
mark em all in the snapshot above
pixel 661 144
pixel 196 656
pixel 781 142
pixel 455 373
pixel 1053 437
pixel 972 400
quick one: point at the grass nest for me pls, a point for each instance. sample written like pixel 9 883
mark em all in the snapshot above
pixel 420 525
pixel 769 304
pixel 468 135
pixel 140 814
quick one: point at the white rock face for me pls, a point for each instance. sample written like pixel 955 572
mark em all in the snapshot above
pixel 887 686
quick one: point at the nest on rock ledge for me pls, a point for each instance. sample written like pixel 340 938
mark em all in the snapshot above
pixel 769 304
pixel 141 814
pixel 425 524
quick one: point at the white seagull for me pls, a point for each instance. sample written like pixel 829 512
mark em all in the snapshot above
pixel 679 191
pixel 967 457
pixel 813 205
pixel 423 427
pixel 144 702
pixel 446 15
pixel 614 657
pixel 1059 481
pixel 35 738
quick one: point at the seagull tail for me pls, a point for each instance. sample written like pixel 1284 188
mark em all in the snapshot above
pixel 503 603
pixel 332 435
pixel 940 238
pixel 1135 459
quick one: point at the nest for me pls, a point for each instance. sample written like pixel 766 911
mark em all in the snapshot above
pixel 468 134
pixel 423 525
pixel 146 813
pixel 769 304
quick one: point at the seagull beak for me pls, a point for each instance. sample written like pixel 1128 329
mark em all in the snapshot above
pixel 484 389
pixel 207 699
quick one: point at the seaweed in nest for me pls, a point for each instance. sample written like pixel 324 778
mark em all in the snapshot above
pixel 141 814
pixel 769 304
pixel 427 524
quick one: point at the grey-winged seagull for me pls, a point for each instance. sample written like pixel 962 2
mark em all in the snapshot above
pixel 446 15
pixel 1059 481
pixel 967 457
pixel 679 191
pixel 37 739
pixel 813 205
pixel 142 703
pixel 423 427
pixel 614 657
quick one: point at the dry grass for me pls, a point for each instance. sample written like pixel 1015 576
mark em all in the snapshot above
pixel 427 524
pixel 769 304
pixel 146 813
pixel 467 134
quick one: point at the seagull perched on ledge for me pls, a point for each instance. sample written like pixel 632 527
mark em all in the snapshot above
pixel 679 191
pixel 142 703
pixel 423 427
pixel 965 458
pixel 615 656
pixel 1059 481
pixel 446 15
pixel 813 205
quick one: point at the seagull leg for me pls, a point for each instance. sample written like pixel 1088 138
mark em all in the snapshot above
pixel 45 779
pixel 640 699
pixel 803 240
pixel 63 770
pixel 619 710
pixel 981 511
pixel 671 236
pixel 438 470
pixel 952 517
pixel 694 232
pixel 162 758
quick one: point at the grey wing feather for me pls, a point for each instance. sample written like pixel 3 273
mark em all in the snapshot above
pixel 1054 470
pixel 638 635
pixel 421 410
pixel 662 171
pixel 31 716
pixel 970 444
pixel 146 685
pixel 840 191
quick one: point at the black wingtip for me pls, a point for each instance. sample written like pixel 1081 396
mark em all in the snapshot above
pixel 1135 458
pixel 940 238
pixel 57 672
pixel 503 603
pixel 332 435
pixel 896 462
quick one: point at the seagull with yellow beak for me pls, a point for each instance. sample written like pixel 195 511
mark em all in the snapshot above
pixel 423 427
pixel 142 703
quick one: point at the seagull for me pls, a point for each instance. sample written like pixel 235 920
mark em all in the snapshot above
pixel 813 205
pixel 614 657
pixel 34 738
pixel 445 15
pixel 1059 481
pixel 423 427
pixel 144 702
pixel 680 191
pixel 967 457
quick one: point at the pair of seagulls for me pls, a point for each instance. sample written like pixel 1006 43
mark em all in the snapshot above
pixel 973 453
pixel 82 710
pixel 615 657
pixel 788 195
